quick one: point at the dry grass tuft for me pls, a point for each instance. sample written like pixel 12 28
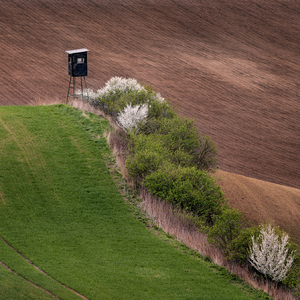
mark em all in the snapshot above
pixel 118 143
pixel 45 101
pixel 2 199
pixel 84 106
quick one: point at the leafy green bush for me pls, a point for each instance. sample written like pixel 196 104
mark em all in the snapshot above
pixel 239 247
pixel 229 235
pixel 147 154
pixel 160 109
pixel 181 158
pixel 187 188
pixel 292 279
pixel 180 134
pixel 108 103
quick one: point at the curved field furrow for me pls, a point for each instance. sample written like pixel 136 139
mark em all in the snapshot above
pixel 41 271
pixel 5 266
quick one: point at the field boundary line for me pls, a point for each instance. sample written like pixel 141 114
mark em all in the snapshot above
pixel 41 271
pixel 46 291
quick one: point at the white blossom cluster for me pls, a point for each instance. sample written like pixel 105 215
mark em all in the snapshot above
pixel 131 116
pixel 114 84
pixel 121 84
pixel 269 254
pixel 111 86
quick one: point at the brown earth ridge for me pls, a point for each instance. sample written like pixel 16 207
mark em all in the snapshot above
pixel 232 65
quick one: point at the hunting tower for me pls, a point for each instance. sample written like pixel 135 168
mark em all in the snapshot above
pixel 77 67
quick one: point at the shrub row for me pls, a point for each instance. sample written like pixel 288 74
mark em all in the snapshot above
pixel 172 160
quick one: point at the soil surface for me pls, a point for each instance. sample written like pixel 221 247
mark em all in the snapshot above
pixel 233 66
pixel 263 202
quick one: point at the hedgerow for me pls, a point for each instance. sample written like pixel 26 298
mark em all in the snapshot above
pixel 168 156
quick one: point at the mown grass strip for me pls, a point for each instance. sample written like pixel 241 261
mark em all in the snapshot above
pixel 63 212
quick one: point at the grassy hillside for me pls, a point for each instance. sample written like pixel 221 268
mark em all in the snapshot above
pixel 61 210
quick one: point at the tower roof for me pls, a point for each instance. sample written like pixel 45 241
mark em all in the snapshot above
pixel 77 51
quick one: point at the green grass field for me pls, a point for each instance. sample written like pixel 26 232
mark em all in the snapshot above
pixel 15 287
pixel 61 209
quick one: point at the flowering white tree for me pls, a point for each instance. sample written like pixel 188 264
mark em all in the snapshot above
pixel 112 85
pixel 121 84
pixel 117 84
pixel 131 116
pixel 269 254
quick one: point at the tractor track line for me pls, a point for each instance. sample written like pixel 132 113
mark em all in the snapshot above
pixel 41 271
pixel 5 266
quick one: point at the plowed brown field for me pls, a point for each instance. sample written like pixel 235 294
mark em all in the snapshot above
pixel 233 66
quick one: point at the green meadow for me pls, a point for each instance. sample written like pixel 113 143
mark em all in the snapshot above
pixel 61 209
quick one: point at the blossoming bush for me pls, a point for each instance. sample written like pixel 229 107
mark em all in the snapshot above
pixel 270 255
pixel 120 84
pixel 115 84
pixel 119 92
pixel 132 116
